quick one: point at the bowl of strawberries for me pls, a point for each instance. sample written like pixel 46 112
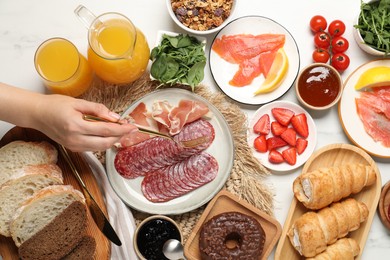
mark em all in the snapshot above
pixel 282 135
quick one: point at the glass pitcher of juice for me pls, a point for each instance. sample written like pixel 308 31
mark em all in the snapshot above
pixel 118 52
pixel 63 69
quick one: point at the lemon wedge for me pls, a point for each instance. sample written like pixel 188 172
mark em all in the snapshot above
pixel 374 77
pixel 276 74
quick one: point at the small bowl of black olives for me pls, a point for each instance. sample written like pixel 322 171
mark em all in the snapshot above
pixel 152 233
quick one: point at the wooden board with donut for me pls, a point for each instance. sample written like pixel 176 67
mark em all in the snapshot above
pixel 335 200
pixel 239 225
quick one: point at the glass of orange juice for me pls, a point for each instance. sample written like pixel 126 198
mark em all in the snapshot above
pixel 118 51
pixel 63 69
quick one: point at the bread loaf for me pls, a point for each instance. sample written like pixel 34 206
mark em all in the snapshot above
pixel 313 231
pixel 343 249
pixel 21 186
pixel 17 154
pixel 319 188
pixel 41 209
pixel 85 250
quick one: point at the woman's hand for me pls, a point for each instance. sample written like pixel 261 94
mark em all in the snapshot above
pixel 61 119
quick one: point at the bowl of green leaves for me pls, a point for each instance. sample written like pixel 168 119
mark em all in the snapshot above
pixel 372 28
pixel 178 59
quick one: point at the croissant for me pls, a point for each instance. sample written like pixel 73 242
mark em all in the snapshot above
pixel 319 188
pixel 313 231
pixel 344 248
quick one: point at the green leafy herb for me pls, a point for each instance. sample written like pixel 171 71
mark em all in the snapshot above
pixel 374 24
pixel 178 59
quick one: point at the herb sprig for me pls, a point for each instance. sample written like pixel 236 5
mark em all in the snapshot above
pixel 178 59
pixel 374 24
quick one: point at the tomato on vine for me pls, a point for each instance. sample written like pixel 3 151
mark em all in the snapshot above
pixel 340 61
pixel 322 40
pixel 336 28
pixel 339 44
pixel 318 23
pixel 320 55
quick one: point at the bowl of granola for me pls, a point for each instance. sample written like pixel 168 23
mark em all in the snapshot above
pixel 201 17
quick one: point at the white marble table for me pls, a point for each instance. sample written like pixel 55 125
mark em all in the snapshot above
pixel 24 24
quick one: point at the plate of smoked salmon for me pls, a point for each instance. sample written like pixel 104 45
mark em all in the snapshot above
pixel 158 175
pixel 254 60
pixel 364 113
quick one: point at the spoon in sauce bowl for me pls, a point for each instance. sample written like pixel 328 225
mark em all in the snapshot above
pixel 173 249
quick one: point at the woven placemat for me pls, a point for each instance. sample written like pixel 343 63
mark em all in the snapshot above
pixel 247 176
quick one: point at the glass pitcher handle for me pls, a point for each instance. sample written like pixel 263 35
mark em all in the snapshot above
pixel 85 16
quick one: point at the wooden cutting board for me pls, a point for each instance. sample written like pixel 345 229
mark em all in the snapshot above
pixel 8 250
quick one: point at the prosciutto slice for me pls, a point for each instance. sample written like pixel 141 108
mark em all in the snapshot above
pixel 174 118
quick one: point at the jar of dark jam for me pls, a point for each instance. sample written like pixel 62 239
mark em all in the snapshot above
pixel 318 86
pixel 151 235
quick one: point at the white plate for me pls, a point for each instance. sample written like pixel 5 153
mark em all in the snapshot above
pixel 223 71
pixel 263 157
pixel 350 120
pixel 222 149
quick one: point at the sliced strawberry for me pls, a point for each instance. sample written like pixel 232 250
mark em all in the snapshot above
pixel 260 144
pixel 290 155
pixel 262 125
pixel 277 129
pixel 275 142
pixel 275 157
pixel 299 122
pixel 290 136
pixel 301 145
pixel 282 115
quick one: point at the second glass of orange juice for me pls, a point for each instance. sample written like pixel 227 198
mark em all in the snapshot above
pixel 63 69
pixel 118 52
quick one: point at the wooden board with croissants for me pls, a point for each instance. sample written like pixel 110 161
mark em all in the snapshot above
pixel 333 156
pixel 7 247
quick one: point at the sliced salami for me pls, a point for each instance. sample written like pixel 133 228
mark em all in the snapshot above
pixel 176 180
pixel 155 153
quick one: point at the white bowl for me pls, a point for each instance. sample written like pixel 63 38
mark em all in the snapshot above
pixel 199 32
pixel 359 40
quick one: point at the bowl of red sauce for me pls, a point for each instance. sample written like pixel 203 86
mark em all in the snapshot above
pixel 318 86
pixel 151 234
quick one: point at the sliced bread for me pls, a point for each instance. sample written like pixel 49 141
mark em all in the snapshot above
pixel 22 185
pixel 85 250
pixel 17 154
pixel 41 209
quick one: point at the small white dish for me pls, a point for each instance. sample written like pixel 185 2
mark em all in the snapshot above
pixel 263 157
pixel 223 71
pixel 349 118
pixel 192 31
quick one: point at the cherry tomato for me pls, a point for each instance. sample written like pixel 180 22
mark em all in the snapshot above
pixel 336 28
pixel 340 61
pixel 320 55
pixel 318 23
pixel 339 44
pixel 322 40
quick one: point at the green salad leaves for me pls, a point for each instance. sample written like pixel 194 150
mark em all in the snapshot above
pixel 178 59
pixel 374 24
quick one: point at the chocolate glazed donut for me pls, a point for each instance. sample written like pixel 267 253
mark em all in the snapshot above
pixel 231 235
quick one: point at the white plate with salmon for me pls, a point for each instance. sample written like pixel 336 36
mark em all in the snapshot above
pixel 158 175
pixel 365 115
pixel 254 60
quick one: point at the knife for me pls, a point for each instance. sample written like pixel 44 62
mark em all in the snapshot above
pixel 96 212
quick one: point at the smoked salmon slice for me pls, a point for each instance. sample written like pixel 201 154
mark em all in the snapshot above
pixel 253 53
pixel 373 108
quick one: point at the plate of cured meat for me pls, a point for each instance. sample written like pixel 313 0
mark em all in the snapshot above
pixel 158 175
pixel 242 56
pixel 364 113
